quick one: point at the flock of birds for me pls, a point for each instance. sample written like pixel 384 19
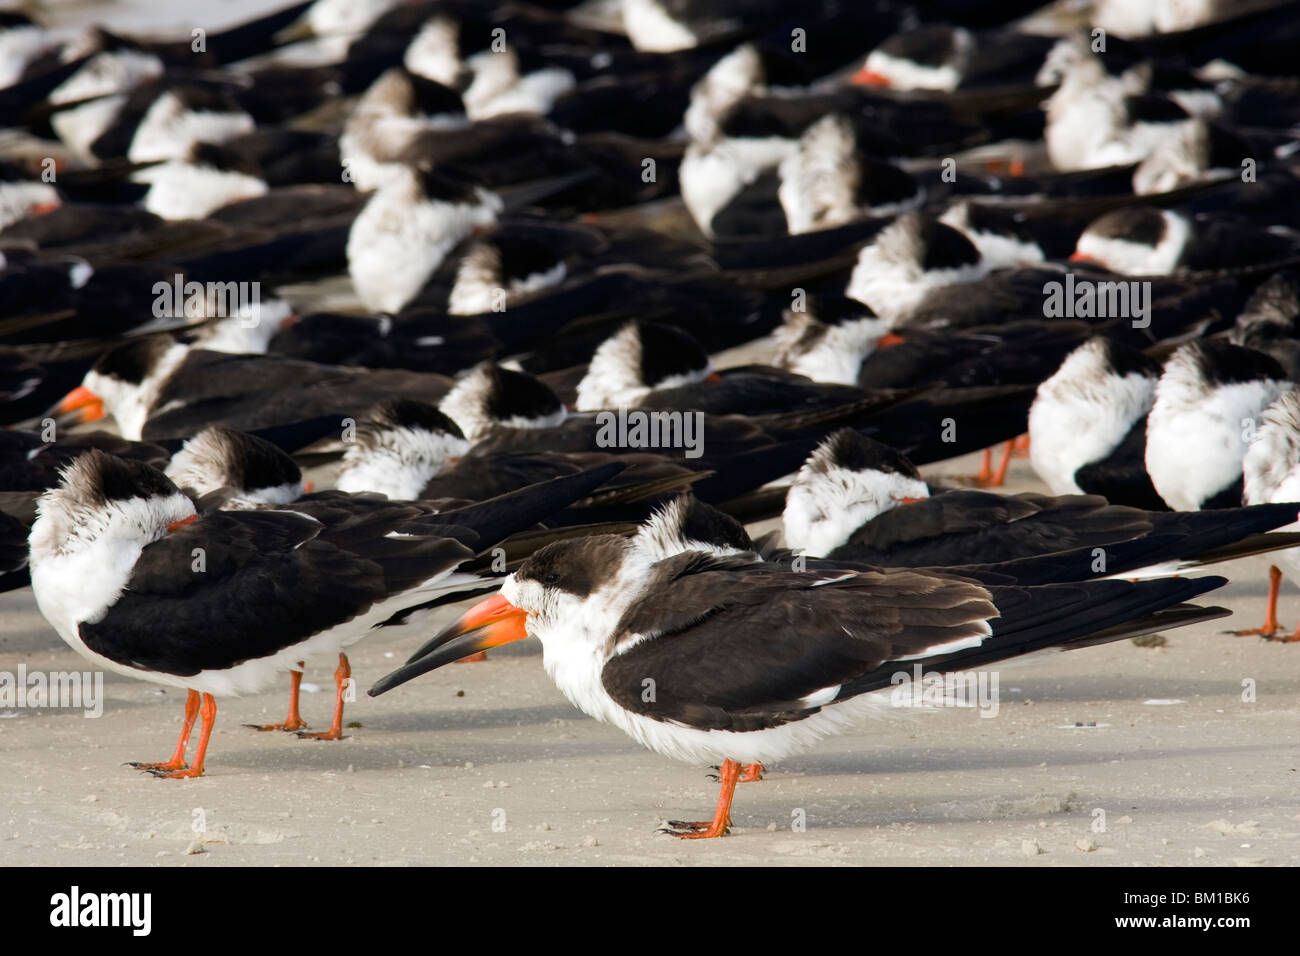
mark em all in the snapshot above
pixel 547 211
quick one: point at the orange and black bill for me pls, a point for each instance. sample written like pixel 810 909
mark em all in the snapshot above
pixel 79 405
pixel 489 623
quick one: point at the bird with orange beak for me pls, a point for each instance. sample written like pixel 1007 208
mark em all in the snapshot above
pixel 113 557
pixel 725 659
pixel 79 406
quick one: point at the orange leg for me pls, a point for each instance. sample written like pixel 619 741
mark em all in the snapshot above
pixel 998 477
pixel 178 757
pixel 1270 626
pixel 1022 446
pixel 208 712
pixel 986 477
pixel 729 773
pixel 294 721
pixel 749 773
pixel 340 686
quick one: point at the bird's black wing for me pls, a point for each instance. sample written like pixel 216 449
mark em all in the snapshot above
pixel 237 586
pixel 742 647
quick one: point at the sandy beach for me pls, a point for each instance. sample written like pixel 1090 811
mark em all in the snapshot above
pixel 1116 756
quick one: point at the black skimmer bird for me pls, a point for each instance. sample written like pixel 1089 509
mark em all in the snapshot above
pixel 663 27
pixel 406 231
pixel 741 134
pixel 214 175
pixel 512 259
pixel 23 44
pixel 226 468
pixel 1085 411
pixel 943 57
pixel 1270 321
pixel 830 339
pixel 494 78
pixel 147 612
pixel 407 449
pixel 398 106
pixel 550 334
pixel 163 387
pixel 21 197
pixel 655 366
pixel 82 85
pixel 334 18
pixel 398 448
pixel 1145 18
pixel 838 340
pixel 912 257
pixel 525 258
pixel 145 116
pixel 410 450
pixel 860 501
pixel 1002 236
pixel 726 692
pixel 827 181
pixel 634 362
pixel 1208 406
pixel 1196 153
pixel 1102 113
pixel 910 420
pixel 235 471
pixel 491 399
pixel 239 472
pixel 1271 473
pixel 1146 241
pixel 409 118
pixel 31 461
pixel 79 305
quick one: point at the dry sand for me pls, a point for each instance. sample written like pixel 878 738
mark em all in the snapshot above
pixel 488 764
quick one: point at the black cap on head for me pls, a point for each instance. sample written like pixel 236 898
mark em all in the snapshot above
pixel 433 98
pixel 932 45
pixel 578 567
pixel 852 451
pixel 1126 360
pixel 255 463
pixel 515 394
pixel 838 309
pixel 988 218
pixel 524 255
pixel 1221 363
pixel 418 416
pixel 1140 224
pixel 945 247
pixel 100 478
pixel 439 186
pixel 700 521
pixel 667 351
pixel 133 361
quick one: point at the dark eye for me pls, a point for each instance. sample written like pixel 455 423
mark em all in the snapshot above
pixel 551 578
